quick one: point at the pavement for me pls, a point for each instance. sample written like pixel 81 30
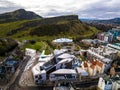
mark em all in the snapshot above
pixel 26 78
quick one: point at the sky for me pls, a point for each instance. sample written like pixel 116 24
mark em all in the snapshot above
pixel 89 9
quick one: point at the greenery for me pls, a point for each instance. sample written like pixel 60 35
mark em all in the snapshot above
pixel 6 45
pixel 29 29
pixel 37 46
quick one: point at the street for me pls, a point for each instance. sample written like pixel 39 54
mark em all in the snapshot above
pixel 15 84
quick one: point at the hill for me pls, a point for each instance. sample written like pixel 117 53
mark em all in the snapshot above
pixel 103 25
pixel 20 14
pixel 114 21
pixel 47 28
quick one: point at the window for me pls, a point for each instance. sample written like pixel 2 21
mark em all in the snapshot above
pixel 36 76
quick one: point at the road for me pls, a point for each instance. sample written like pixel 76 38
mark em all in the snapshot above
pixel 15 84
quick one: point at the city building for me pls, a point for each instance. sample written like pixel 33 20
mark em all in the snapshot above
pixel 82 74
pixel 45 58
pixel 64 75
pixel 11 65
pixel 104 84
pixel 39 74
pixel 106 36
pixel 115 32
pixel 109 83
pixel 64 56
pixel 93 67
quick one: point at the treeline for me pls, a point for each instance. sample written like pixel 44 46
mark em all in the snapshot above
pixel 6 45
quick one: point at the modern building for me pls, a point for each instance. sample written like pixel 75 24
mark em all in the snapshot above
pixel 45 58
pixel 64 56
pixel 62 41
pixel 115 32
pixel 115 46
pixel 63 75
pixel 106 36
pixel 39 74
pixel 65 63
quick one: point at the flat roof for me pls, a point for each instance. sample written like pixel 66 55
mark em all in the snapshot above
pixel 82 71
pixel 99 56
pixel 64 71
pixel 31 50
pixel 115 46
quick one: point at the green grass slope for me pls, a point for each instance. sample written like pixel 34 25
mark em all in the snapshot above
pixel 43 30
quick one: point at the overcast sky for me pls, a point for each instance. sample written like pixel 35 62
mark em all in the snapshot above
pixel 100 9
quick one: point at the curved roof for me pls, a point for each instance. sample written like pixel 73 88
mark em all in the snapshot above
pixel 36 69
pixel 63 40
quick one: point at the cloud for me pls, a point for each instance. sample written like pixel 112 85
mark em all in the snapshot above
pixel 105 10
pixel 84 8
pixel 6 6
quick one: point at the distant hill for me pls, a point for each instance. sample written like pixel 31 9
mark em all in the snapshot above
pixel 114 21
pixel 103 25
pixel 111 21
pixel 47 28
pixel 17 15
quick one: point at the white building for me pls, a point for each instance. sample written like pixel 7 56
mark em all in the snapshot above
pixel 82 74
pixel 45 58
pixel 63 74
pixel 104 52
pixel 39 74
pixel 112 83
pixel 58 52
pixel 65 63
pixel 64 56
pixel 30 52
pixel 104 84
pixel 62 40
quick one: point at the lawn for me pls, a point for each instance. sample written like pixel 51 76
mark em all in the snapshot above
pixel 37 46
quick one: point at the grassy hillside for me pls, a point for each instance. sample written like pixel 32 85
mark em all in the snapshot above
pixel 41 29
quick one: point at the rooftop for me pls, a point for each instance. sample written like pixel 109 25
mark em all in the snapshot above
pixel 81 71
pixel 31 50
pixel 64 71
pixel 63 40
pixel 65 60
pixel 45 58
pixel 11 62
pixel 36 69
pixel 65 55
pixel 58 52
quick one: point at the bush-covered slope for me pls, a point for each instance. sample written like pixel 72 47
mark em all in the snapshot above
pixel 6 44
pixel 47 29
